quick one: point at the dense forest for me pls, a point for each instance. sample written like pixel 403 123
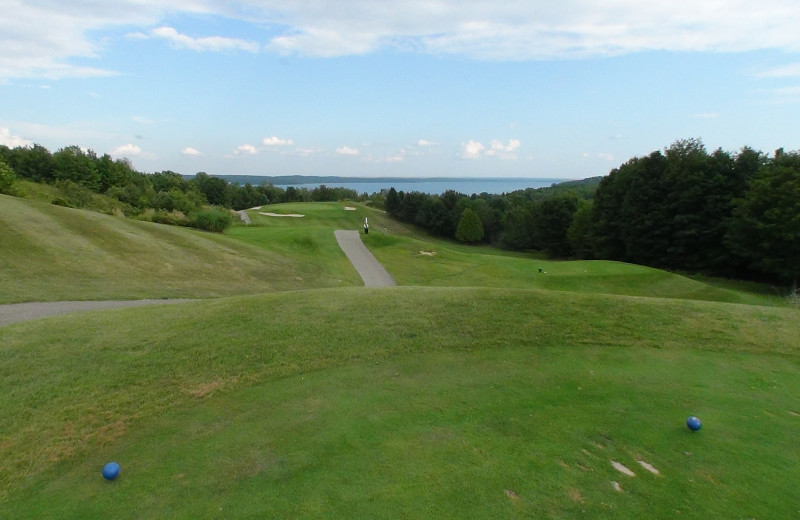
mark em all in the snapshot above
pixel 683 208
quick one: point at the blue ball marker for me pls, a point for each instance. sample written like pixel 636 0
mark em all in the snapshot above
pixel 693 423
pixel 111 471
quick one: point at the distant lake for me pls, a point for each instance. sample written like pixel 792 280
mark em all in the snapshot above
pixel 438 186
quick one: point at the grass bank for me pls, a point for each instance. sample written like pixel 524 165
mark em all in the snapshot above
pixel 447 402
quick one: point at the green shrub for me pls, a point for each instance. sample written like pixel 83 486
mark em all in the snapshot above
pixel 213 219
pixel 75 195
pixel 173 218
pixel 7 178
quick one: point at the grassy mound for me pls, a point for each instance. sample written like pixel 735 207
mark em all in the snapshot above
pixel 53 253
pixel 446 402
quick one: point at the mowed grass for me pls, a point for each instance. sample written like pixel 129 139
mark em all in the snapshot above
pixel 403 402
pixel 481 389
pixel 417 261
pixel 52 253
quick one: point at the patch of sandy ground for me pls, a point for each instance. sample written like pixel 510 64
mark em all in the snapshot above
pixel 294 215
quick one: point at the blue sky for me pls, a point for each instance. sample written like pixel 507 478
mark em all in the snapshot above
pixel 529 88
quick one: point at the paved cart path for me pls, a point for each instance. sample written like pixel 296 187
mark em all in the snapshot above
pixel 15 312
pixel 371 271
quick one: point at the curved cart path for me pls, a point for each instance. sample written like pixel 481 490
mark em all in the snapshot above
pixel 15 312
pixel 371 271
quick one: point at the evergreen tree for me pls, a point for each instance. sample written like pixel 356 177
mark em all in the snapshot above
pixel 469 227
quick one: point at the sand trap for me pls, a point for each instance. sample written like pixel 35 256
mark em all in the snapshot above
pixel 428 253
pixel 616 485
pixel 294 215
pixel 349 208
pixel 622 469
pixel 648 467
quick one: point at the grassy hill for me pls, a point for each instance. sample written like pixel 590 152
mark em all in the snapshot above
pixel 480 389
pixel 53 253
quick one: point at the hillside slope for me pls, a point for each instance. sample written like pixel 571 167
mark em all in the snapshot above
pixel 53 253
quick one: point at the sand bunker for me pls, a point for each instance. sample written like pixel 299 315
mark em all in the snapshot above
pixel 349 208
pixel 428 253
pixel 295 215
pixel 616 485
pixel 622 469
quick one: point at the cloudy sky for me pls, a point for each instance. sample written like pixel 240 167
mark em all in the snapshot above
pixel 520 88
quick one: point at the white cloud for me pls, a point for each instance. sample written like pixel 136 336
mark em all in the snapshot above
pixel 472 149
pixel 425 143
pixel 126 150
pixel 503 151
pixel 13 141
pixel 706 115
pixel 245 149
pixel 531 30
pixel 791 70
pixel 277 141
pixel 191 151
pixel 39 39
pixel 779 95
pixel 396 158
pixel 346 150
pixel 207 43
pixel 301 152
pixel 606 156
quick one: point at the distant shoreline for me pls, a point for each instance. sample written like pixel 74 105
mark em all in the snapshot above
pixel 430 185
pixel 284 180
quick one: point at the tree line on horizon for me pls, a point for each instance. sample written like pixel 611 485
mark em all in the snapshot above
pixel 683 208
pixel 167 197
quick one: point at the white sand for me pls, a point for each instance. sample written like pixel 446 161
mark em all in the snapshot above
pixel 349 208
pixel 295 215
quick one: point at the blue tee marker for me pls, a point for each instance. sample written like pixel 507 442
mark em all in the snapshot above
pixel 111 471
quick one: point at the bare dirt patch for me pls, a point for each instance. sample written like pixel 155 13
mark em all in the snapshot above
pixel 205 389
pixel 510 493
pixel 575 495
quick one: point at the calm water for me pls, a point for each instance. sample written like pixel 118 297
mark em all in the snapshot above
pixel 465 186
